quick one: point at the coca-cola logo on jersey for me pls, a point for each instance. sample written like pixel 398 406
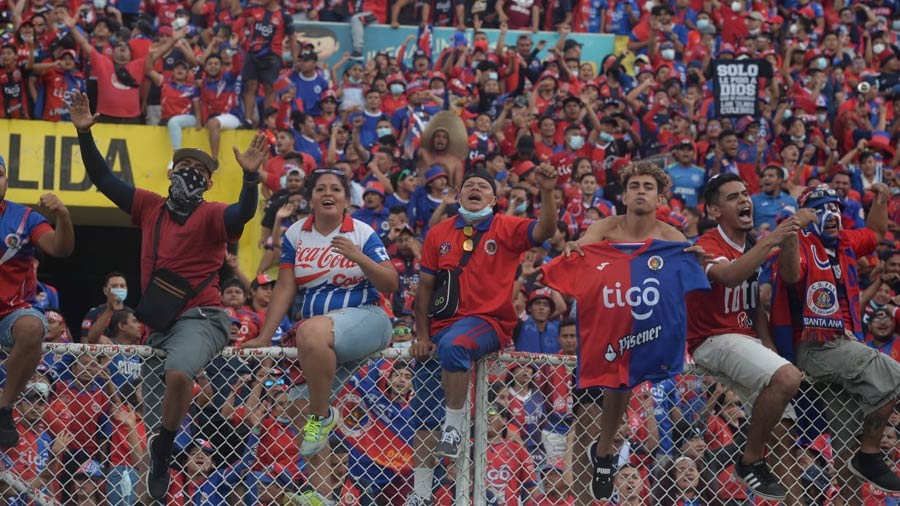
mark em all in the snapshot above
pixel 322 258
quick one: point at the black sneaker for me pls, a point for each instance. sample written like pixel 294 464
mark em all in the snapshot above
pixel 603 475
pixel 871 468
pixel 246 125
pixel 760 480
pixel 356 55
pixel 448 446
pixel 9 436
pixel 158 474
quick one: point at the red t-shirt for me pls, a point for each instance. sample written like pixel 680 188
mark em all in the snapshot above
pixel 116 99
pixel 82 410
pixel 278 449
pixel 722 310
pixel 496 258
pixel 26 456
pixel 193 250
pixel 509 469
pixel 119 448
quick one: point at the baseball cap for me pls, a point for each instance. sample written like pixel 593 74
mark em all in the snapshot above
pixel 374 187
pixel 294 170
pixel 328 94
pixel 570 43
pixel 198 155
pixel 883 312
pixel 69 52
pixel 756 15
pixel 684 144
pixel 36 391
pixel 436 171
pixel 419 54
pixel 542 293
pixel 309 55
pixel 260 280
pixel 483 174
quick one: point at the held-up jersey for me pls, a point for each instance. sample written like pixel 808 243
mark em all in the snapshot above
pixel 326 280
pixel 722 310
pixel 632 318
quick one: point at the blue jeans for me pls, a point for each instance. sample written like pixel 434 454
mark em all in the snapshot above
pixel 120 486
pixel 7 322
pixel 176 124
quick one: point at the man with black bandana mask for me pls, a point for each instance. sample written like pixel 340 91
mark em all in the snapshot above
pixel 186 235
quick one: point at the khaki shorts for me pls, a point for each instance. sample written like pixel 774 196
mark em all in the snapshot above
pixel 853 380
pixel 742 364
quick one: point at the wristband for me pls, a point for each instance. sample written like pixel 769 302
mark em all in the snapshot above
pixel 251 177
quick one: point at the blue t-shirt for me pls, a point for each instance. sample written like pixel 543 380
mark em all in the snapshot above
pixel 687 181
pixel 309 90
pixel 766 207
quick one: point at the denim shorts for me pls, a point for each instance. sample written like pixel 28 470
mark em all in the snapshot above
pixel 358 333
pixel 7 322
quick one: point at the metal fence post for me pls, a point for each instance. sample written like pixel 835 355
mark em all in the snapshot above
pixel 480 422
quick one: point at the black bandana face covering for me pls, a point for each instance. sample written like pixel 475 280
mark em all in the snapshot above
pixel 185 194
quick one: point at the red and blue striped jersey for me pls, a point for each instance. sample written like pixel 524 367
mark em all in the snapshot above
pixel 326 280
pixel 20 229
pixel 632 319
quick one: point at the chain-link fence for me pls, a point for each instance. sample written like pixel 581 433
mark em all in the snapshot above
pixel 83 439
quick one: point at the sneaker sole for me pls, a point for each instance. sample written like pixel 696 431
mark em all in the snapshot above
pixel 870 482
pixel 768 497
pixel 445 455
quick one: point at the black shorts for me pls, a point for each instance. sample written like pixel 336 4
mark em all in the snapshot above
pixel 263 69
pixel 584 396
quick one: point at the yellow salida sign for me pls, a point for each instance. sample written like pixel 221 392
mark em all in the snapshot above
pixel 45 157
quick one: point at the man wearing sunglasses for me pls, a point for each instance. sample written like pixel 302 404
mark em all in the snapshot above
pixel 484 320
pixel 816 322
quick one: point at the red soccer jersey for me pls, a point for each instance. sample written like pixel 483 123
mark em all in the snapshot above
pixel 13 104
pixel 277 448
pixel 496 258
pixel 29 457
pixel 177 99
pixel 83 409
pixel 268 30
pixel 20 229
pixel 509 470
pixel 119 448
pixel 722 310
pixel 250 324
pixel 193 250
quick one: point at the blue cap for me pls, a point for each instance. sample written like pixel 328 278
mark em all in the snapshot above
pixel 459 39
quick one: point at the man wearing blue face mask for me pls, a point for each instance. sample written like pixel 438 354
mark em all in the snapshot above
pixel 816 323
pixel 96 321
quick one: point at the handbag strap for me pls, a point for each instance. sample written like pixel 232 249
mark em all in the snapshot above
pixel 193 291
pixel 468 254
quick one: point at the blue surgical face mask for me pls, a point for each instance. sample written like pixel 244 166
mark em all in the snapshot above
pixel 606 137
pixel 283 419
pixel 402 346
pixel 396 89
pixel 702 23
pixel 383 131
pixel 475 216
pixel 120 293
pixel 798 138
pixel 521 208
pixel 576 141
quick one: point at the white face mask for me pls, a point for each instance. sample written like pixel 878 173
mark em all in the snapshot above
pixel 793 29
pixel 822 118
pixel 736 6
pixel 668 54
pixel 755 31
pixel 878 48
pixel 895 25
pixel 99 4
pixel 702 23
pixel 492 75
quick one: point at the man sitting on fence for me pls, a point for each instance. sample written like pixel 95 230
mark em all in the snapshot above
pixel 816 322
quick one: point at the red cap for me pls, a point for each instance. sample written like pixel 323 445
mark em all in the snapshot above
pixel 374 187
pixel 726 48
pixel 482 45
pixel 165 30
pixel 457 87
pixel 547 74
pixel 329 93
pixel 807 12
pixel 261 279
pixel 776 20
pixel 69 52
pixel 415 86
pixel 523 167
pixel 542 293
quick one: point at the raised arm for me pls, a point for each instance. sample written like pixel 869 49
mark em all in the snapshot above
pixel 239 213
pixel 546 224
pixel 119 192
pixel 878 219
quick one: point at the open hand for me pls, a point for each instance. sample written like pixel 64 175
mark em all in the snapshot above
pixel 80 111
pixel 252 159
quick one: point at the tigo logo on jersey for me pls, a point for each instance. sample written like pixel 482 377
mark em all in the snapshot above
pixel 645 296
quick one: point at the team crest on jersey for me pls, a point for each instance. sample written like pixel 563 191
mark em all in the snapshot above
pixel 490 247
pixel 444 249
pixel 354 420
pixel 655 263
pixel 13 241
pixel 822 299
pixel 385 226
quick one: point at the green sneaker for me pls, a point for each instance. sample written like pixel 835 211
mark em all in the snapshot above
pixel 315 433
pixel 307 498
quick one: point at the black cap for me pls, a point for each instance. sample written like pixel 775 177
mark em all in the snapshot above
pixel 232 282
pixel 309 55
pixel 198 155
pixel 483 174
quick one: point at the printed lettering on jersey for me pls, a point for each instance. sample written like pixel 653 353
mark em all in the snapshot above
pixel 264 29
pixel 822 298
pixel 641 299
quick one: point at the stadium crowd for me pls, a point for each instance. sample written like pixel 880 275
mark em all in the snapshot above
pixel 541 123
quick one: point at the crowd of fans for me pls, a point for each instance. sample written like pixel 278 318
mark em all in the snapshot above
pixel 827 114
